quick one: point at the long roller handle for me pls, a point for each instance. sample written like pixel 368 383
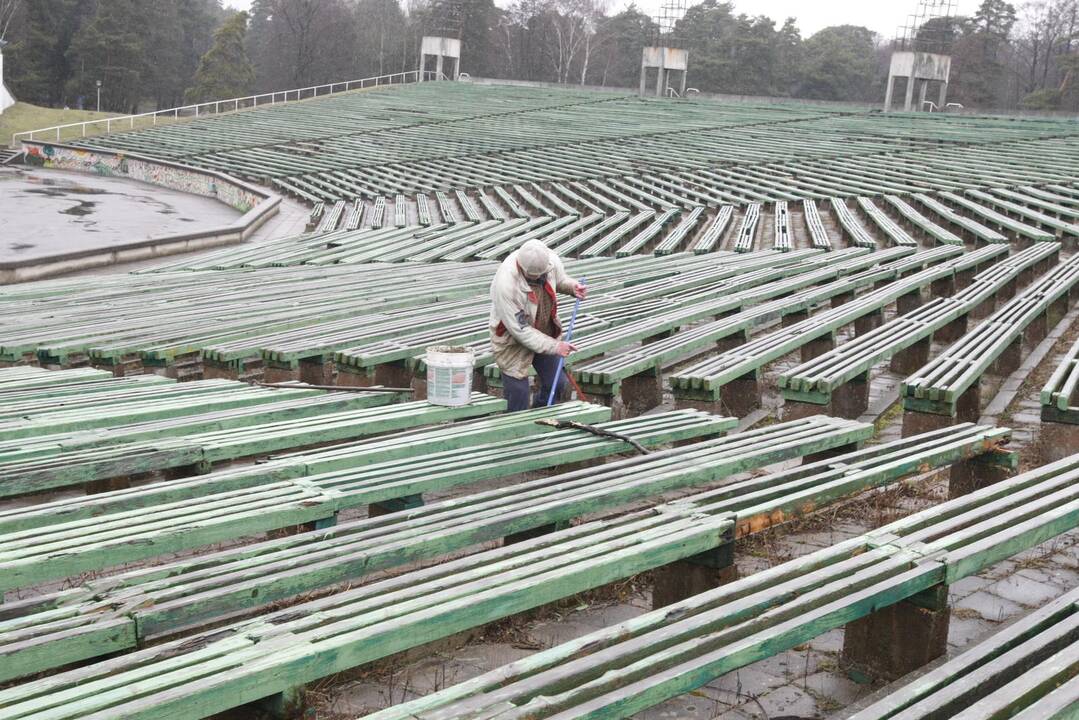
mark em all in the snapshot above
pixel 562 360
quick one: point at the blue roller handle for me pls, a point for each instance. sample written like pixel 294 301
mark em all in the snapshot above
pixel 562 360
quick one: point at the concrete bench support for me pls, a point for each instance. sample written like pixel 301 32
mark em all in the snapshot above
pixel 385 507
pixel 897 639
pixel 694 575
pixel 981 471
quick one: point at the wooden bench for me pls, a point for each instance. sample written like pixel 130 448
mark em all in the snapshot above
pixel 948 387
pixel 681 232
pixel 854 230
pixel 878 217
pixel 638 242
pixel 916 220
pixel 243 503
pixel 998 220
pixel 315 216
pixel 781 227
pixel 1050 223
pixel 1027 670
pixel 888 587
pixel 636 373
pixel 198 589
pixel 840 379
pixel 713 233
pixel 183 446
pixel 972 228
pixel 818 235
pixel 730 378
pixel 1059 430
pixel 747 232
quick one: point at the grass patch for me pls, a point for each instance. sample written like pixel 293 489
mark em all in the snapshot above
pixel 24 116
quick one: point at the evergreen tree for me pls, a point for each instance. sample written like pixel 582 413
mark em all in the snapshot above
pixel 840 64
pixel 110 48
pixel 224 71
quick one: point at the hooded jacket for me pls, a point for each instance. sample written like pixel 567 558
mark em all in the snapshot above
pixel 514 337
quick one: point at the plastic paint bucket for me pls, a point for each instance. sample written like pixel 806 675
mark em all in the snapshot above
pixel 449 375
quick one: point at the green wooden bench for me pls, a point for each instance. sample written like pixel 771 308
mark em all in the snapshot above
pixel 746 235
pixel 948 387
pixel 818 235
pixel 878 217
pixel 681 232
pixel 636 373
pixel 713 233
pixel 1059 398
pixel 58 459
pixel 998 220
pixel 1021 209
pixel 781 227
pixel 1027 670
pixel 200 588
pixel 102 534
pixel 915 220
pixel 888 587
pixel 852 228
pixel 970 227
pixel 730 377
pixel 840 378
pixel 413 442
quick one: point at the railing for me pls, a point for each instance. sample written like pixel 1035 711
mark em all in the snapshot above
pixel 214 107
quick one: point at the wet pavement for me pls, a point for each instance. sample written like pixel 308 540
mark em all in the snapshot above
pixel 52 212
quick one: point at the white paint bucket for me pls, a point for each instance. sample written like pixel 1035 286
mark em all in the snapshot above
pixel 449 375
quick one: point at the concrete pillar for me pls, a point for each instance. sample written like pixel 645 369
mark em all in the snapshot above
pixel 641 393
pixel 916 423
pixel 694 575
pixel 888 94
pixel 1009 359
pixel 922 87
pixel 868 323
pixel 898 639
pixel 1057 440
pixel 909 99
pixel 742 395
pixel 817 347
pixel 981 471
pixel 943 95
pixel 851 399
pixel 908 360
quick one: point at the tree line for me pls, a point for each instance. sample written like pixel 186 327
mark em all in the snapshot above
pixel 151 54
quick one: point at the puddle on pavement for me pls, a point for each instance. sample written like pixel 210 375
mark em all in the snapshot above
pixel 85 207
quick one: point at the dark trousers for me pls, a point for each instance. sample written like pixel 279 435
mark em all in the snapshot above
pixel 516 389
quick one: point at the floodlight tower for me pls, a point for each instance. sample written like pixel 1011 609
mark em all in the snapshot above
pixel 667 53
pixel 921 54
pixel 442 41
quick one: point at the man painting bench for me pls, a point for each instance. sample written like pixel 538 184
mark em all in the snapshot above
pixel 525 330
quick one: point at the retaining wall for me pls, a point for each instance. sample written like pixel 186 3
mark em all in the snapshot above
pixel 258 205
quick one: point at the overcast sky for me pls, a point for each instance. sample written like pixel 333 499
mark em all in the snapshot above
pixel 812 15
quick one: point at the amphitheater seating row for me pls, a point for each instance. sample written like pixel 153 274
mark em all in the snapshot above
pixel 201 588
pixel 896 574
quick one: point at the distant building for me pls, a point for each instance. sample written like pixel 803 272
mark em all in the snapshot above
pixel 6 98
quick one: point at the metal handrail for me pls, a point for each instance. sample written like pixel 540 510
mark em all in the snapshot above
pixel 248 101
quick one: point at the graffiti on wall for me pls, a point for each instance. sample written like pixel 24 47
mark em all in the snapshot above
pixel 174 177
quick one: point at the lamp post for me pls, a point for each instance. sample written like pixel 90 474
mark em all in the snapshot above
pixel 99 96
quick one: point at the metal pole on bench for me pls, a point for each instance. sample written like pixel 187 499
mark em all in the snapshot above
pixel 562 360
